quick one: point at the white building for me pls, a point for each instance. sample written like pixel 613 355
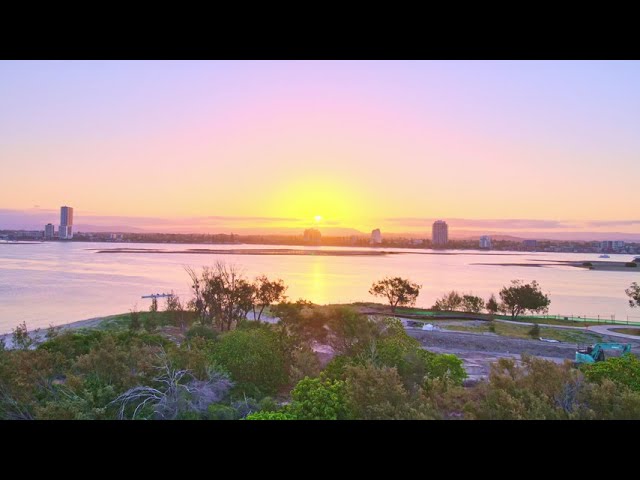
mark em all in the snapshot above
pixel 376 236
pixel 440 233
pixel 485 241
pixel 49 231
pixel 618 244
pixel 65 232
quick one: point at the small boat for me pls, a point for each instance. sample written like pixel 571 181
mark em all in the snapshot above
pixel 604 256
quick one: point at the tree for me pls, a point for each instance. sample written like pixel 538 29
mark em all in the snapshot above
pixel 21 337
pixel 134 320
pixel 449 302
pixel 300 323
pixel 265 293
pixel 153 308
pixel 634 295
pixel 350 331
pixel 176 311
pixel 492 305
pixel 222 295
pixel 472 303
pixel 398 291
pixel 519 297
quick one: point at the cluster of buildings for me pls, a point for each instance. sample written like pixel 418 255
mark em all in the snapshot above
pixel 312 236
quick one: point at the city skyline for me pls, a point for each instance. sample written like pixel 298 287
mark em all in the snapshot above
pixel 528 147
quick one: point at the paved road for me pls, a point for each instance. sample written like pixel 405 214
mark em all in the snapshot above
pixel 606 330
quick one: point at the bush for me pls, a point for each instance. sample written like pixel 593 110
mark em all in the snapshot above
pixel 254 359
pixel 492 326
pixel 378 394
pixel 134 321
pixel 631 264
pixel 624 370
pixel 150 322
pixel 202 331
pixel 217 411
pixel 446 366
pixel 534 332
pixel 587 264
pixel 270 416
pixel 319 399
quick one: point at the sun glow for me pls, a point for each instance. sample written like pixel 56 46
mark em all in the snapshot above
pixel 298 200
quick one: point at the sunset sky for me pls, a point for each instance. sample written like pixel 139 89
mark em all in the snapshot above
pixel 261 146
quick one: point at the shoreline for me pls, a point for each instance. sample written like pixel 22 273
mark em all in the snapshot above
pixel 39 334
pixel 596 265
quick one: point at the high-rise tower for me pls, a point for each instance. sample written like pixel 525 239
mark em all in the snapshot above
pixel 65 232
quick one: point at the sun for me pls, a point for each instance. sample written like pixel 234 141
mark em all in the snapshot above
pixel 318 218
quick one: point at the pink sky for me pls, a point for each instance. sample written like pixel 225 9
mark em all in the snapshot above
pixel 271 145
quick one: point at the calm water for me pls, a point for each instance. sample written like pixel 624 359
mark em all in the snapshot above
pixel 56 282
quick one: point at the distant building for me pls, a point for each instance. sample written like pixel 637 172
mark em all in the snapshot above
pixel 311 235
pixel 49 231
pixel 65 232
pixel 485 241
pixel 440 233
pixel 618 244
pixel 530 243
pixel 606 245
pixel 376 236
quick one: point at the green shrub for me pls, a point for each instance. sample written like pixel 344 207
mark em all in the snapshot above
pixel 624 370
pixel 631 264
pixel 587 264
pixel 134 320
pixel 446 366
pixel 270 416
pixel 319 399
pixel 203 331
pixel 217 411
pixel 254 359
pixel 534 332
pixel 150 323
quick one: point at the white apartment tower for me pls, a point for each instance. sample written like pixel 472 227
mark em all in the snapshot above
pixel 376 237
pixel 65 232
pixel 440 233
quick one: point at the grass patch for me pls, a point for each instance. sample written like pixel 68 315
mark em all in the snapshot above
pixel 522 331
pixel 121 322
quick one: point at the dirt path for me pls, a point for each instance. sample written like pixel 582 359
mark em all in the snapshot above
pixel 479 350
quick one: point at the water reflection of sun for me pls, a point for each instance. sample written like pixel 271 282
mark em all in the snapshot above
pixel 318 280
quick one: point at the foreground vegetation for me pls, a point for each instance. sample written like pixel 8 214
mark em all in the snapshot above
pixel 205 361
pixel 262 371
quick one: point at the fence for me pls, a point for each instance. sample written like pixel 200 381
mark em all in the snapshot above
pixel 599 319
